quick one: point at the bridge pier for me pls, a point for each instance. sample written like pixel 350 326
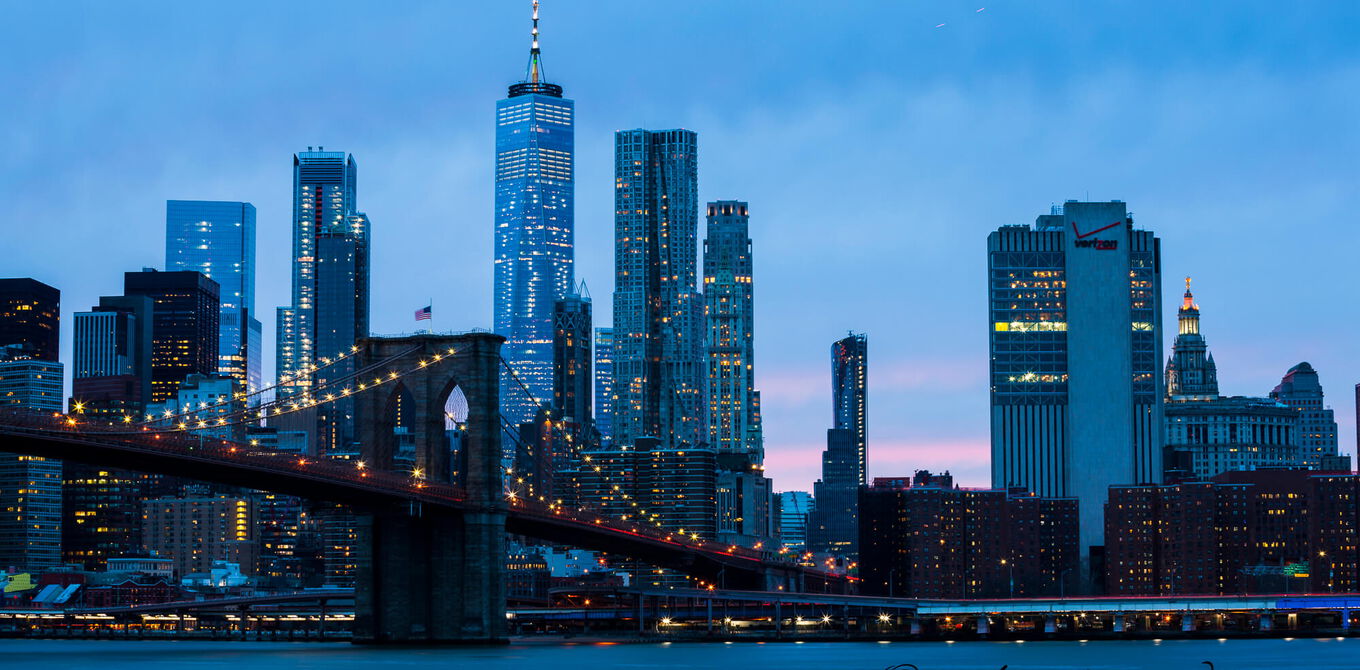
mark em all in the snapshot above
pixel 438 577
pixel 1265 622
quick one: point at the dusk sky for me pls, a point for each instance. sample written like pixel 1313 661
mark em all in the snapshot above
pixel 878 144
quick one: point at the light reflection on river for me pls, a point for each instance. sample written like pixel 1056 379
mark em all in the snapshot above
pixel 1105 655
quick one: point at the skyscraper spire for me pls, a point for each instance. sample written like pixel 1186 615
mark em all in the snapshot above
pixel 535 66
pixel 534 81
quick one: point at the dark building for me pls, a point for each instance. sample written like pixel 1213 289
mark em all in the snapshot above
pixel 831 523
pixel 573 388
pixel 30 316
pixel 926 538
pixel 101 514
pixel 184 337
pixel 1263 531
pixel 111 357
pixel 832 520
pixel 653 485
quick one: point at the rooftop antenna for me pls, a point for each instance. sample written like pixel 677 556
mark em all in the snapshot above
pixel 535 67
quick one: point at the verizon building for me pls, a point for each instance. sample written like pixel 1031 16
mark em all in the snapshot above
pixel 1075 333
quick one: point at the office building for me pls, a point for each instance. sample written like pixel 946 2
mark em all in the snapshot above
pixel 217 239
pixel 572 383
pixel 604 383
pixel 329 311
pixel 923 537
pixel 101 514
pixel 534 193
pixel 111 358
pixel 1301 391
pixel 744 494
pixel 30 487
pixel 1075 344
pixel 30 315
pixel 195 532
pixel 792 518
pixel 659 376
pixel 184 326
pixel 1208 434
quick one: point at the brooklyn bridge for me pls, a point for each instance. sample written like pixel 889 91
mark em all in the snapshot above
pixel 431 550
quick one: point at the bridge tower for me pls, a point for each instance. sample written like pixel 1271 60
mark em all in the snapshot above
pixel 423 576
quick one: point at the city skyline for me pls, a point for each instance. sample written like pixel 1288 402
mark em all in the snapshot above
pixel 929 385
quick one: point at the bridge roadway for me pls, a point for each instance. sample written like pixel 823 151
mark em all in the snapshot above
pixel 347 482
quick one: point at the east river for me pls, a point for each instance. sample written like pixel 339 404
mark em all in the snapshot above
pixel 1103 655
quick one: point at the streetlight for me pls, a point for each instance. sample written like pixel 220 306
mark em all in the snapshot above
pixel 1331 572
pixel 1010 568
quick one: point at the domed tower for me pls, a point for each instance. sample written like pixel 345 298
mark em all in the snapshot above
pixel 1190 372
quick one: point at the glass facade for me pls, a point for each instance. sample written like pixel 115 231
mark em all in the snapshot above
pixel 534 210
pixel 659 376
pixel 30 487
pixel 324 208
pixel 218 239
pixel 184 326
pixel 604 383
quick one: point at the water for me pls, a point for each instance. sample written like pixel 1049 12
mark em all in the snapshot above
pixel 1104 655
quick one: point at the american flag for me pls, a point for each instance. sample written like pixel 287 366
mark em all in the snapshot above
pixel 424 313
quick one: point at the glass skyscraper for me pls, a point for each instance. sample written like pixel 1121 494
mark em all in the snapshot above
pixel 535 192
pixel 184 330
pixel 604 383
pixel 218 239
pixel 330 307
pixel 833 524
pixel 1075 330
pixel 850 394
pixel 659 379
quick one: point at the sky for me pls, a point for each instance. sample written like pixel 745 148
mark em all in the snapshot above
pixel 878 143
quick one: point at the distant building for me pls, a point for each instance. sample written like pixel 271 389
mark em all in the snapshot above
pixel 30 315
pixel 659 379
pixel 101 515
pixel 793 508
pixel 535 192
pixel 1301 391
pixel 1074 321
pixel 734 430
pixel 198 531
pixel 670 488
pixel 926 538
pixel 184 326
pixel 1264 531
pixel 833 521
pixel 218 239
pixel 604 383
pixel 1208 434
pixel 573 385
pixel 832 525
pixel 199 401
pixel 30 487
pixel 111 358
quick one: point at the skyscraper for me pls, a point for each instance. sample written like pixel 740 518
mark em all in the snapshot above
pixel 325 220
pixel 733 423
pixel 218 240
pixel 743 500
pixel 184 326
pixel 604 383
pixel 535 191
pixel 572 383
pixel 1075 330
pixel 29 315
pixel 30 487
pixel 850 392
pixel 659 379
pixel 111 357
pixel 833 524
pixel 330 307
pixel 1301 391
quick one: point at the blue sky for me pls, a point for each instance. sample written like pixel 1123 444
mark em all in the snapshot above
pixel 877 151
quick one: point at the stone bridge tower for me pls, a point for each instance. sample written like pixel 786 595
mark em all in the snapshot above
pixel 423 576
